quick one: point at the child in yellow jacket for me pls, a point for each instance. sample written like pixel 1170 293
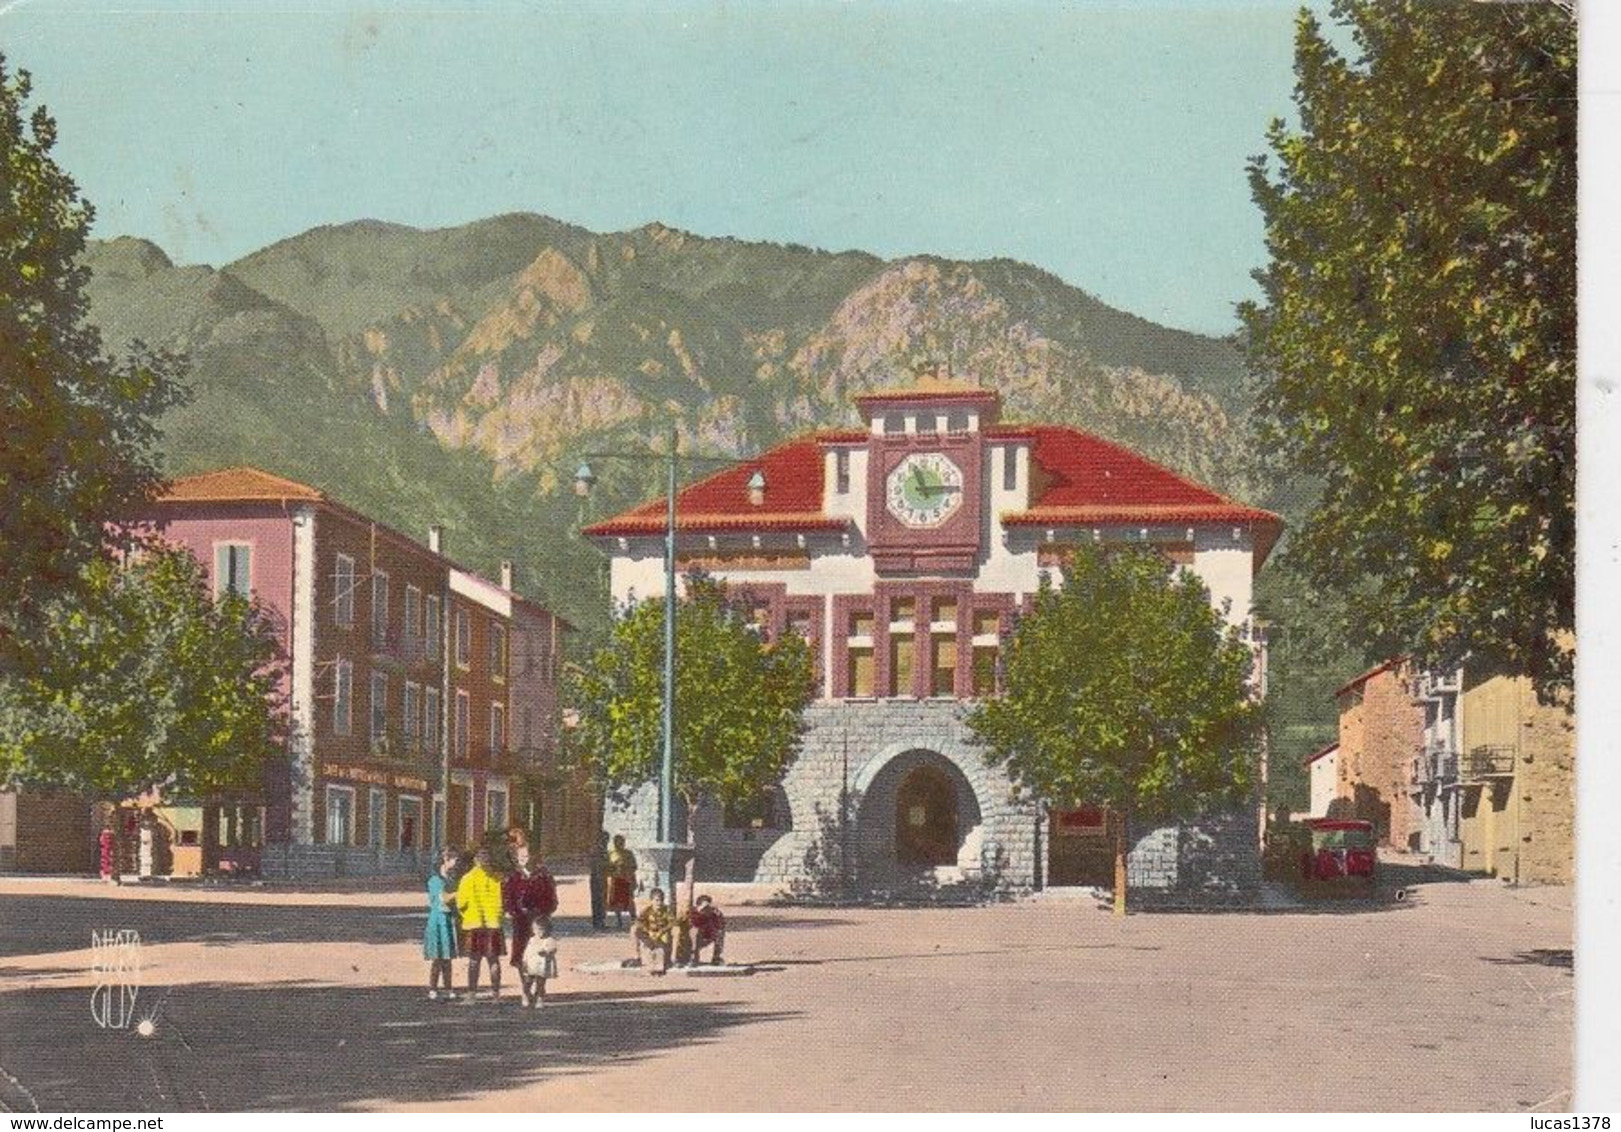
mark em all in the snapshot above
pixel 478 898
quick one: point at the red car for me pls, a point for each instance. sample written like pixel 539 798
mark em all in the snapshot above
pixel 1342 854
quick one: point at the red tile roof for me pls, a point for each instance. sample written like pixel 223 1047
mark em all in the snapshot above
pixel 246 484
pixel 793 496
pixel 1080 478
pixel 236 485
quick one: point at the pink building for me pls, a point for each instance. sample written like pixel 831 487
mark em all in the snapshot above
pixel 393 711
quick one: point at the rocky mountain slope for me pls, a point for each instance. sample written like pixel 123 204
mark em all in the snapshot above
pixel 455 375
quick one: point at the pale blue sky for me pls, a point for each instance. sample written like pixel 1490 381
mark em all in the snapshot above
pixel 1104 142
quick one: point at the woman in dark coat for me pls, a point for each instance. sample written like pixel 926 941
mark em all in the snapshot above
pixel 529 892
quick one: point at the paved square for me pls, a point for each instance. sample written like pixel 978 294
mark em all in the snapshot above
pixel 1458 998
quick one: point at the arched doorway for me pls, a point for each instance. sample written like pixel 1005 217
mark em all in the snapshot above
pixel 926 818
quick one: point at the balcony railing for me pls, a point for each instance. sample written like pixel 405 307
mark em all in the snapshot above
pixel 1435 763
pixel 1488 761
pixel 1433 685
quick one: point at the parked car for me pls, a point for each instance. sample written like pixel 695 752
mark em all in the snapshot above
pixel 1341 855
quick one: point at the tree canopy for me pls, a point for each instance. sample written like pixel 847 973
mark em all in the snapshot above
pixel 76 426
pixel 143 680
pixel 1416 343
pixel 1124 688
pixel 739 698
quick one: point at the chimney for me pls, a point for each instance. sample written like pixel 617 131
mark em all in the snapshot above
pixel 436 539
pixel 506 574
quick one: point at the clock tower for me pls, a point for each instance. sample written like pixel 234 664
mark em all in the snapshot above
pixel 926 476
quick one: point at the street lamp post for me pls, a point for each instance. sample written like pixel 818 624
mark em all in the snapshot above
pixel 667 853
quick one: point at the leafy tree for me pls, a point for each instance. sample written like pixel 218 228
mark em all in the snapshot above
pixel 76 426
pixel 1416 345
pixel 144 680
pixel 1124 688
pixel 739 700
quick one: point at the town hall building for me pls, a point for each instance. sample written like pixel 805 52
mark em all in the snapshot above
pixel 901 551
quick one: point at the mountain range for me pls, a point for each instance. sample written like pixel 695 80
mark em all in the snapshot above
pixel 455 375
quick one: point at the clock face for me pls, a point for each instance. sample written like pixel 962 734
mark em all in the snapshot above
pixel 924 490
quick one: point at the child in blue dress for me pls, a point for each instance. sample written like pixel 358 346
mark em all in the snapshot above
pixel 439 938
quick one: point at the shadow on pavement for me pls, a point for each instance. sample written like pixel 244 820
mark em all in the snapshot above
pixel 230 1047
pixel 1537 957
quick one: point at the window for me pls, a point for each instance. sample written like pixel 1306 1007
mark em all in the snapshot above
pixel 495 808
pixel 861 621
pixel 862 682
pixel 409 820
pixel 759 616
pixel 340 815
pixel 987 623
pixel 343 689
pixel 957 422
pixel 943 678
pixel 901 655
pixel 433 627
pixel 894 424
pixel 841 471
pixel 1010 469
pixel 498 650
pixel 800 623
pixel 233 569
pixel 343 592
pixel 943 611
pixel 464 639
pixel 902 612
pixel 411 710
pixel 430 717
pixel 498 729
pixel 379 706
pixel 413 615
pixel 464 712
pixel 928 422
pixel 376 818
pixel 379 608
pixel 984 670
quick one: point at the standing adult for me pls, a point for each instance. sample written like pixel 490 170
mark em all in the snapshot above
pixel 529 896
pixel 621 881
pixel 107 845
pixel 599 882
pixel 478 899
pixel 148 836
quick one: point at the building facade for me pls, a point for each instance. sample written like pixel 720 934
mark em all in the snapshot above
pixel 1381 725
pixel 400 680
pixel 1323 772
pixel 902 551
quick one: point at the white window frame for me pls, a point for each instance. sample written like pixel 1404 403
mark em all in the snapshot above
pixel 222 584
pixel 376 808
pixel 433 625
pixel 492 820
pixel 378 725
pixel 333 788
pixel 379 609
pixel 498 727
pixel 402 803
pixel 461 726
pixel 343 697
pixel 343 591
pixel 411 710
pixel 413 614
pixel 464 639
pixel 433 715
pixel 500 656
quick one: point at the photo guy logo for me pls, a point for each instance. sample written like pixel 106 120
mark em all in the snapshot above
pixel 117 968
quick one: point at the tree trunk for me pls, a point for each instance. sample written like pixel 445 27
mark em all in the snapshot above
pixel 1120 864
